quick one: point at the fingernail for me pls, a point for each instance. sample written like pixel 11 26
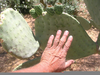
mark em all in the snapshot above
pixel 66 31
pixel 71 36
pixel 52 35
pixel 59 30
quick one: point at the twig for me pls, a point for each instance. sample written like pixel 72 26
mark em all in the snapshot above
pixel 43 3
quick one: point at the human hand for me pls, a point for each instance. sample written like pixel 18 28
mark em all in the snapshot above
pixel 54 55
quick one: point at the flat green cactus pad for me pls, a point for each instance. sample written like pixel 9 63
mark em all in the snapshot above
pixel 93 7
pixel 16 35
pixel 47 25
pixel 27 64
pixel 85 23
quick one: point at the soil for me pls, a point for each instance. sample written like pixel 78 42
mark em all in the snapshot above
pixel 90 63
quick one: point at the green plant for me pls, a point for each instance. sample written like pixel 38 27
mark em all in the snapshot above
pixel 85 23
pixel 93 8
pixel 69 6
pixel 23 6
pixel 16 36
pixel 46 24
pixel 3 5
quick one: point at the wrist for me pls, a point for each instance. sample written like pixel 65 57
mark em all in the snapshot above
pixel 45 67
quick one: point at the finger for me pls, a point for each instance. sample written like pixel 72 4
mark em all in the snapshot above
pixel 50 41
pixel 68 43
pixel 63 39
pixel 69 63
pixel 57 38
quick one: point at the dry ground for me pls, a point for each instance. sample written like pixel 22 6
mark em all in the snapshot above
pixel 90 63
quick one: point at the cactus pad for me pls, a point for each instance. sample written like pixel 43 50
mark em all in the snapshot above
pixel 27 64
pixel 46 25
pixel 15 34
pixel 85 23
pixel 58 8
pixel 33 13
pixel 93 7
pixel 38 8
pixel 50 10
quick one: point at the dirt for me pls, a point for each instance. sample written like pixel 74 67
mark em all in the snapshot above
pixel 90 63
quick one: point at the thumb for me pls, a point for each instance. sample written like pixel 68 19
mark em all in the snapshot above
pixel 68 63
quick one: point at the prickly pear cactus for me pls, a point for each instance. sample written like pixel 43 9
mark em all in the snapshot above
pixel 85 23
pixel 93 7
pixel 28 64
pixel 47 24
pixel 15 34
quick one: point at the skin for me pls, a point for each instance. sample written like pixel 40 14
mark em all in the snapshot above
pixel 53 58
